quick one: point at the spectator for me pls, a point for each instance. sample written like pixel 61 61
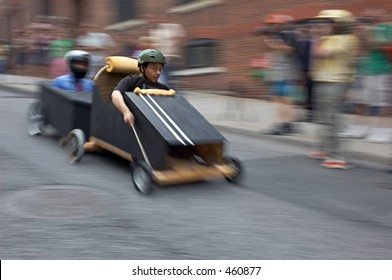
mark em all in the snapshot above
pixel 333 70
pixel 42 36
pixel 58 48
pixel 4 56
pixel 283 76
pixel 377 83
pixel 373 90
pixel 303 45
pixel 21 47
pixel 126 44
pixel 99 45
pixel 143 43
pixel 168 37
pixel 357 99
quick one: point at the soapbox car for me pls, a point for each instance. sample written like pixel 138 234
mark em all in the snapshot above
pixel 170 142
pixel 63 111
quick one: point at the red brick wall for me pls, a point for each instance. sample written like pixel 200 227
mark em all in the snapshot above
pixel 232 21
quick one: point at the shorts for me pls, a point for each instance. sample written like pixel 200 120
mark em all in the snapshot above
pixel 281 88
pixel 290 90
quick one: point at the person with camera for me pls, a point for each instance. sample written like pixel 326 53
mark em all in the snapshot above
pixel 283 75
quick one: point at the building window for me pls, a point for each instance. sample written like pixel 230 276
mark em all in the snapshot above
pixel 201 53
pixel 43 8
pixel 182 2
pixel 126 10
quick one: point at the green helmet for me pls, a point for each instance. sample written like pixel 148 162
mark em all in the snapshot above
pixel 150 55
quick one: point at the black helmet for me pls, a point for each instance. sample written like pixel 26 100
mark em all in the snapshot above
pixel 78 56
pixel 150 55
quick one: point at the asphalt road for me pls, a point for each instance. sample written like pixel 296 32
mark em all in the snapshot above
pixel 287 206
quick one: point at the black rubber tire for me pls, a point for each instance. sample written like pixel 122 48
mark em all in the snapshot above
pixel 35 118
pixel 142 176
pixel 234 163
pixel 75 145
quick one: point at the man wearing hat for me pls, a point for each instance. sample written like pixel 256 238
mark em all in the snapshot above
pixel 334 55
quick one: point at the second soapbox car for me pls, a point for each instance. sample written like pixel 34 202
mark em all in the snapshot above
pixel 61 111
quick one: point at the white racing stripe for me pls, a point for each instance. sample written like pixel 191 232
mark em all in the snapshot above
pixel 163 121
pixel 172 122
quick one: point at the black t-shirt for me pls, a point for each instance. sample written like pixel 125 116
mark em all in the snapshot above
pixel 129 83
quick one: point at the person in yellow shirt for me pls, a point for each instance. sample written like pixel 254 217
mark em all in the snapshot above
pixel 334 66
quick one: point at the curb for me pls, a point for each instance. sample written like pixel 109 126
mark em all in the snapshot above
pixel 281 138
pixel 363 156
pixel 19 90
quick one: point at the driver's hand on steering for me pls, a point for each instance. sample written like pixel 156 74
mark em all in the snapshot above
pixel 129 118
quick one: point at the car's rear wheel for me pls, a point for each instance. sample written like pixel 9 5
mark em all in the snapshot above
pixel 75 145
pixel 236 166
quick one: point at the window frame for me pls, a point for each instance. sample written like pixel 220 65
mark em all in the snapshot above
pixel 201 53
pixel 193 6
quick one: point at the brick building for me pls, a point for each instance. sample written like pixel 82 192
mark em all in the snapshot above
pixel 219 43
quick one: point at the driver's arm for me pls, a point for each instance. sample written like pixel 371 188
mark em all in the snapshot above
pixel 118 101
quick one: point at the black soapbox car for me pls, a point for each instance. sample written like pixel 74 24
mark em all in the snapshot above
pixel 170 143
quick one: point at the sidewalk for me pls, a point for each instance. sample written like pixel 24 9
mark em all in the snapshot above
pixel 251 116
pixel 244 116
pixel 23 83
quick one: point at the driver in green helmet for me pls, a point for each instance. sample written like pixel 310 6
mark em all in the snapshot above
pixel 150 63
